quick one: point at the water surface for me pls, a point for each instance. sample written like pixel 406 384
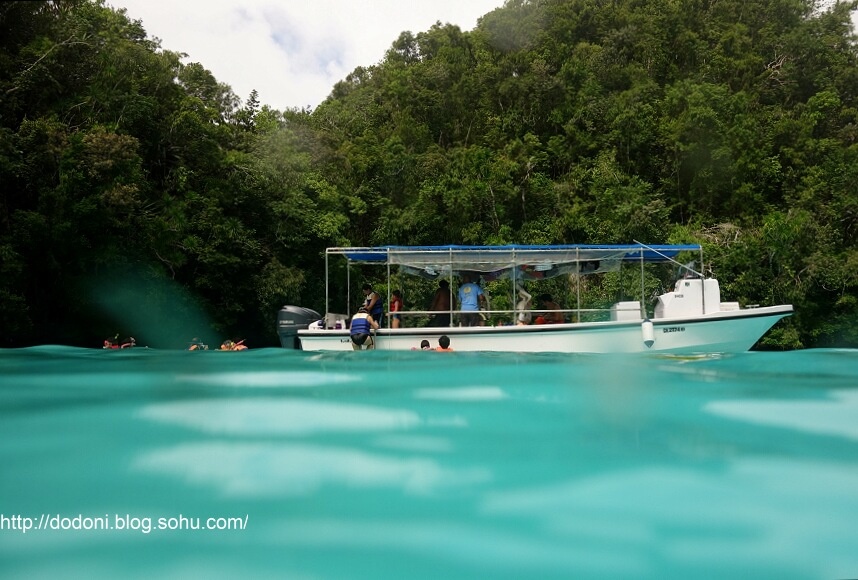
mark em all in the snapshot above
pixel 428 465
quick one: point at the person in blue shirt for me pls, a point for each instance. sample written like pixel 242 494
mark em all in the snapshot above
pixel 471 299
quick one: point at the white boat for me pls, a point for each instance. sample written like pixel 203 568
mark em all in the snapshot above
pixel 690 318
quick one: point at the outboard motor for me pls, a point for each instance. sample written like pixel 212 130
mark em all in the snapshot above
pixel 290 320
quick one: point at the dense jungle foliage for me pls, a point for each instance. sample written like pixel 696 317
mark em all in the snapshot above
pixel 142 196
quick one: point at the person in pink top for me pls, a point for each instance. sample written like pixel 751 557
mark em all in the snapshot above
pixel 395 307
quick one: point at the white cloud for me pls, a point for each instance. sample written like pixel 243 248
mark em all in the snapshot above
pixel 292 52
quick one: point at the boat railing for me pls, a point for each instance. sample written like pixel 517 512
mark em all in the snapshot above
pixel 509 316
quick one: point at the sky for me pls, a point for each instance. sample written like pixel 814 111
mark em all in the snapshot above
pixel 292 52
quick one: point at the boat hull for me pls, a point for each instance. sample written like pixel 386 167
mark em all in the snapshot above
pixel 733 331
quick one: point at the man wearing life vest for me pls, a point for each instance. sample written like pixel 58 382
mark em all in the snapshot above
pixel 374 304
pixel 360 330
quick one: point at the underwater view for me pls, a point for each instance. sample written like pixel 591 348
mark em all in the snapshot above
pixel 271 463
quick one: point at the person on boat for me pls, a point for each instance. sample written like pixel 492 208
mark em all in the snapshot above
pixel 442 303
pixel 374 304
pixel 444 344
pixel 395 307
pixel 523 307
pixel 360 330
pixel 472 298
pixel 553 316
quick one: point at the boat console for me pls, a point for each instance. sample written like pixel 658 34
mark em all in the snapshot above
pixel 690 297
pixel 627 310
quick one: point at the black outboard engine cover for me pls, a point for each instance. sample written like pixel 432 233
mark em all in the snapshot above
pixel 290 319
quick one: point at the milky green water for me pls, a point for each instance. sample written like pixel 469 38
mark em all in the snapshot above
pixel 427 465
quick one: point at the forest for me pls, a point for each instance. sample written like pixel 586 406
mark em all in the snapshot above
pixel 141 196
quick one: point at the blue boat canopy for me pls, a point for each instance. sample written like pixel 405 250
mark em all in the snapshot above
pixel 530 261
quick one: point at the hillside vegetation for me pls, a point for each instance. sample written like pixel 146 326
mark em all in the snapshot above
pixel 140 195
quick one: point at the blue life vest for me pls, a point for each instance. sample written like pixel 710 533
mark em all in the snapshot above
pixel 378 307
pixel 360 324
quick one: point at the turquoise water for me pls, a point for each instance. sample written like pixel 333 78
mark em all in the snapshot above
pixel 427 465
